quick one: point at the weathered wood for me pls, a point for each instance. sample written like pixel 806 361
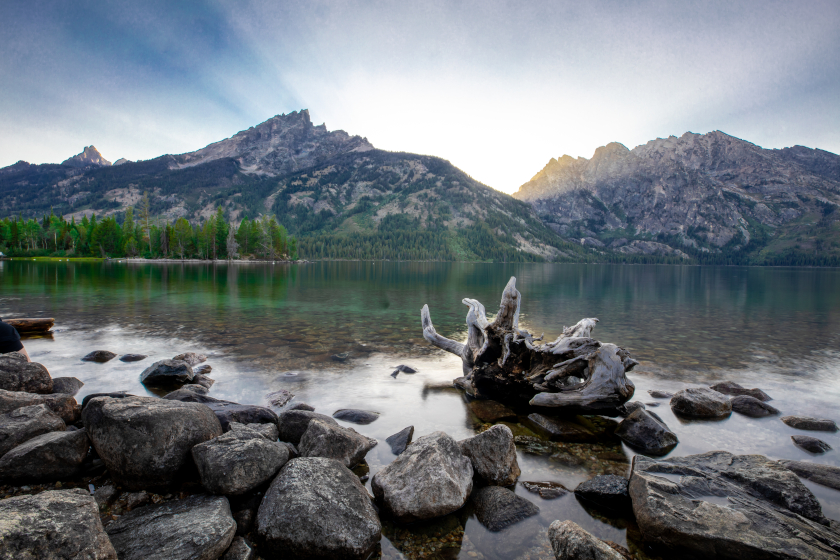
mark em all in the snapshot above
pixel 31 325
pixel 506 363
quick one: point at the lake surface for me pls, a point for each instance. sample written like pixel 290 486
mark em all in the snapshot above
pixel 266 327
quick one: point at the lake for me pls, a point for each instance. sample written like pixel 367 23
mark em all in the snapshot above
pixel 266 327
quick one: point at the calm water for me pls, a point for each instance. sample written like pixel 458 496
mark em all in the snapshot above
pixel 267 327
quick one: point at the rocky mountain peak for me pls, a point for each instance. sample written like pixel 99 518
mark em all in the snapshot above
pixel 89 156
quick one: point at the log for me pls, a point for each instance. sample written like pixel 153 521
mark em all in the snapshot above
pixel 575 373
pixel 33 325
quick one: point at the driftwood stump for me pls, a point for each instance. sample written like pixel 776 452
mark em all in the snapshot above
pixel 503 362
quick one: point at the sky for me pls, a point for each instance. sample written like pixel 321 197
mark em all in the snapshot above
pixel 496 87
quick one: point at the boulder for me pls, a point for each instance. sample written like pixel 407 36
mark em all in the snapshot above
pixel 317 508
pixel 268 431
pixel 400 440
pixel 18 374
pixel 356 416
pixel 558 429
pixel 191 358
pixel 99 356
pixel 571 542
pixel 132 357
pixel 25 423
pixel 491 411
pixel 606 490
pixel 719 505
pixel 827 475
pixel 813 424
pixel 731 388
pixel 46 458
pixel 238 461
pixel 811 444
pixel 546 490
pixel 699 402
pixel 239 550
pixel 628 408
pixel 203 381
pixel 66 385
pixel 55 524
pixel 301 406
pixel 227 411
pixel 199 528
pixel 493 455
pixel 497 508
pixel 752 407
pixel 202 369
pixel 660 394
pixel 279 398
pixel 146 442
pixel 293 424
pixel 167 373
pixel 63 406
pixel 322 439
pixel 429 479
pixel 646 433
pixel 113 395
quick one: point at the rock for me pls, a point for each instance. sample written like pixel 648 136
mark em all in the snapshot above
pixel 55 524
pixel 301 406
pixel 167 373
pixel 493 455
pixel 400 440
pixel 227 411
pixel 199 527
pixel 719 505
pixel 752 407
pixel 268 431
pixel 570 542
pixel 342 357
pixel 491 411
pixel 23 424
pixel 244 520
pixel 202 369
pixel 66 385
pixel 429 479
pixel 356 416
pixel 606 490
pixel 628 408
pixel 811 444
pixel 405 369
pixel 137 499
pixel 239 550
pixel 660 394
pixel 279 398
pixel 202 380
pixel 316 508
pixel 191 358
pixel 293 424
pixel 238 461
pixel 730 388
pixel 806 423
pixel 17 374
pixel 546 490
pixel 642 431
pixel 497 507
pixel 113 395
pixel 99 356
pixel 106 495
pixel 322 439
pixel 826 475
pixel 63 406
pixel 652 404
pixel 701 403
pixel 146 442
pixel 46 458
pixel 132 357
pixel 197 389
pixel 558 429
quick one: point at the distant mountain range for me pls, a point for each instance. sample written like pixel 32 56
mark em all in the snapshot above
pixel 698 198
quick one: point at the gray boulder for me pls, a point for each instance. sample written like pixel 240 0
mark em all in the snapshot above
pixel 731 388
pixel 400 440
pixel 606 490
pixel 133 358
pixel 46 458
pixel 294 423
pixel 811 444
pixel 660 394
pixel 699 402
pixel 202 380
pixel 558 429
pixel 356 416
pixel 628 408
pixel 646 433
pixel 238 461
pixel 199 528
pixel 55 524
pixel 25 423
pixel 317 508
pixel 719 505
pixel 493 455
pixel 571 542
pixel 227 411
pixel 301 406
pixel 827 475
pixel 166 373
pixel 752 407
pixel 322 439
pixel 429 479
pixel 66 385
pixel 191 358
pixel 146 442
pixel 813 424
pixel 239 550
pixel 99 356
pixel 63 406
pixel 268 431
pixel 497 508
pixel 17 374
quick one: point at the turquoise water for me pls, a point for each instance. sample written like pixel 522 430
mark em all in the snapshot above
pixel 272 326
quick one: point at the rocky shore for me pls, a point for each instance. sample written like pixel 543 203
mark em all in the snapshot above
pixel 188 475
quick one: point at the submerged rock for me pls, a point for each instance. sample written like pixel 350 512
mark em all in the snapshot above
pixel 646 432
pixel 752 407
pixel 203 369
pixel 132 358
pixel 356 416
pixel 827 475
pixel 279 398
pixel 400 440
pixel 813 424
pixel 317 508
pixel 166 373
pixel 191 358
pixel 607 490
pixel 66 385
pixel 46 458
pixel 99 356
pixel 18 374
pixel 660 394
pixel 699 402
pixel 294 423
pixel 64 406
pixel 570 542
pixel 811 444
pixel 342 357
pixel 491 411
pixel 322 439
pixel 731 388
pixel 497 508
pixel 199 527
pixel 493 455
pixel 53 524
pixel 558 429
pixel 23 424
pixel 546 490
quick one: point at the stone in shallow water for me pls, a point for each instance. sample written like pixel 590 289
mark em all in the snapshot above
pixel 293 424
pixel 813 424
pixel 811 444
pixel 203 369
pixel 356 416
pixel 167 372
pixel 571 542
pixel 628 408
pixel 660 394
pixel 66 385
pixel 400 440
pixel 546 490
pixel 827 475
pixel 493 455
pixel 497 508
pixel 491 411
pixel 607 490
pixel 99 356
pixel 699 402
pixel 191 358
pixel 558 429
pixel 752 407
pixel 731 388
pixel 279 398
pixel 301 406
pixel 646 432
pixel 133 357
pixel 322 439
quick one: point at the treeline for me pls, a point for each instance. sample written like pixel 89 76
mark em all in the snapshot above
pixel 214 238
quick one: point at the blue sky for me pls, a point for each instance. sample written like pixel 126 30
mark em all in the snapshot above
pixel 496 87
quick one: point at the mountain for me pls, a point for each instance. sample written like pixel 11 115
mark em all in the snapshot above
pixel 89 156
pixel 708 198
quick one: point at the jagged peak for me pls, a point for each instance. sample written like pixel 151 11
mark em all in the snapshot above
pixel 89 156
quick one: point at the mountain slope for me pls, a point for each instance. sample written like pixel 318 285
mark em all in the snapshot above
pixel 698 195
